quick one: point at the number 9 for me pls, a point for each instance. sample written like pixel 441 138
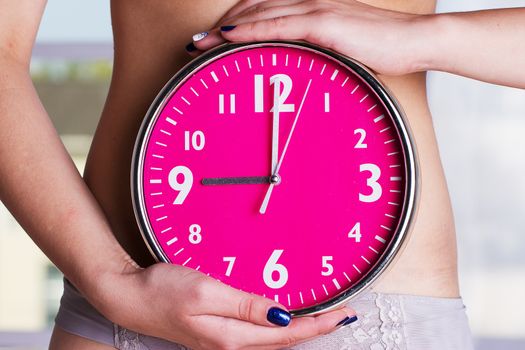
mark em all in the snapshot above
pixel 183 187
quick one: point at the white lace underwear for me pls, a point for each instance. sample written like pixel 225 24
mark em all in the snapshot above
pixel 386 322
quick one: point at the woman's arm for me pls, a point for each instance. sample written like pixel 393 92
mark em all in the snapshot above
pixel 485 45
pixel 42 188
pixel 38 180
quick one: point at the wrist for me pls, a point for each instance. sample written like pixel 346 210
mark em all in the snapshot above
pixel 106 288
pixel 99 272
pixel 430 49
pixel 135 291
pixel 436 34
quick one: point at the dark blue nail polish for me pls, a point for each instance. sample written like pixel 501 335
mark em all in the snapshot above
pixel 279 317
pixel 350 320
pixel 191 47
pixel 343 321
pixel 227 28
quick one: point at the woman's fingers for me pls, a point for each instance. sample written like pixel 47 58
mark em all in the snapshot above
pixel 188 307
pixel 262 11
pixel 206 40
pixel 268 12
pixel 192 50
pixel 237 9
pixel 306 328
pixel 216 298
pixel 250 320
pixel 349 27
pixel 293 27
pixel 261 7
pixel 246 335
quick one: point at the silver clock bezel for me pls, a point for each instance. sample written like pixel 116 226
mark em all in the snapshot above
pixel 382 93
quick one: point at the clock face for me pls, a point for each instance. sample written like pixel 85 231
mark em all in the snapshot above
pixel 331 217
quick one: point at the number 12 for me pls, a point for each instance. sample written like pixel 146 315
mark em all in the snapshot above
pixel 276 80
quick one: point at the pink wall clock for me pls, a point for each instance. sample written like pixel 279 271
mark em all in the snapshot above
pixel 279 168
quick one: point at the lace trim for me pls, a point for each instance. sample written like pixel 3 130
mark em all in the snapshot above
pixel 378 328
pixel 128 340
pixel 392 319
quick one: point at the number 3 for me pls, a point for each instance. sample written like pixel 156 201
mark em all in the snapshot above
pixel 372 183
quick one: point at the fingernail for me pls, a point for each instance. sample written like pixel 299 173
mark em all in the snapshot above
pixel 200 36
pixel 191 47
pixel 342 321
pixel 279 317
pixel 227 28
pixel 349 320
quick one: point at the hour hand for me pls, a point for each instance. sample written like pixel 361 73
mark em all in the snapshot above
pixel 243 180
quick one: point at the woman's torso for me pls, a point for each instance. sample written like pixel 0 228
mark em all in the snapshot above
pixel 149 48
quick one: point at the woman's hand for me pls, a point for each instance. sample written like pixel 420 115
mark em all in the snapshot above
pixel 389 42
pixel 185 306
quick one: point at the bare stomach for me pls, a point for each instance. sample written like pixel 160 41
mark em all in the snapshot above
pixel 149 49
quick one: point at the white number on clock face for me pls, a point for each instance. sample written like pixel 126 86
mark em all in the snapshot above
pixel 222 104
pixel 271 267
pixel 194 140
pixel 328 269
pixel 371 182
pixel 355 232
pixel 230 260
pixel 183 187
pixel 276 80
pixel 195 236
pixel 362 134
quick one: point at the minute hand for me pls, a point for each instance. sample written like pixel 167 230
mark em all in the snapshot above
pixel 264 205
pixel 275 126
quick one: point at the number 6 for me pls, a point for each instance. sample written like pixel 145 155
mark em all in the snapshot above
pixel 271 267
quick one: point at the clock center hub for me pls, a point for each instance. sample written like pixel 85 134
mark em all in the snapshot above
pixel 275 179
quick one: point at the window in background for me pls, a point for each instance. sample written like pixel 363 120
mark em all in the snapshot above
pixel 53 290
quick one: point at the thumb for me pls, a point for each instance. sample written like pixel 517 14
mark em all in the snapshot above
pixel 223 300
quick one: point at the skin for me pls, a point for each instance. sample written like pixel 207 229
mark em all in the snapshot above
pixel 73 220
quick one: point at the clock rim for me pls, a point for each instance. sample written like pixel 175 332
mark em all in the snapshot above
pixel 412 185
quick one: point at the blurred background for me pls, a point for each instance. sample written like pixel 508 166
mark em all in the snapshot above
pixel 480 129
